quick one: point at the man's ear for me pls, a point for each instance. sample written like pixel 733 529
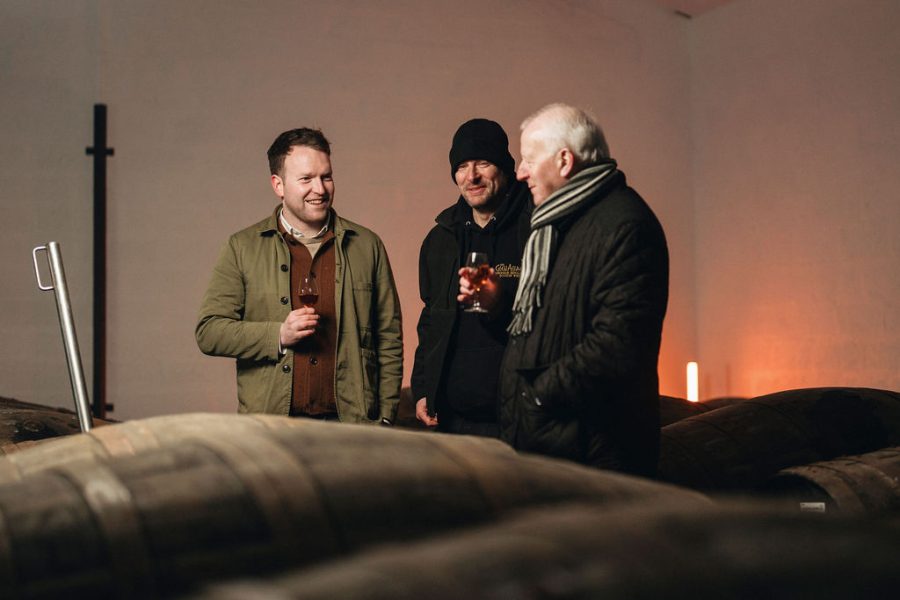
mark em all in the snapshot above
pixel 565 161
pixel 278 186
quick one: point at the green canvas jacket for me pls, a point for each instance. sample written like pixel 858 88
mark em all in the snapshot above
pixel 248 299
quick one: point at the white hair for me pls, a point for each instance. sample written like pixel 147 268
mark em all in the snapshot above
pixel 564 126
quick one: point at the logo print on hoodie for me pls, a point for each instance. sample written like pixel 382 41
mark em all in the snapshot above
pixel 507 270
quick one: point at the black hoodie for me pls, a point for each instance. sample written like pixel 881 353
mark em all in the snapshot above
pixel 458 358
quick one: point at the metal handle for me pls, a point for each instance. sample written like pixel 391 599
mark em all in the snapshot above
pixel 37 272
pixel 67 326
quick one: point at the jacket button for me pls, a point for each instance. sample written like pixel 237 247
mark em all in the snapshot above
pixel 286 368
pixel 313 360
pixel 284 268
pixel 284 300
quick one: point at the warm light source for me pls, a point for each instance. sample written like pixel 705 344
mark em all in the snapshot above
pixel 693 389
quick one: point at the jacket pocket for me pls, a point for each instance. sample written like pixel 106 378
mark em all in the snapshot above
pixel 256 383
pixel 545 430
pixel 370 381
pixel 364 306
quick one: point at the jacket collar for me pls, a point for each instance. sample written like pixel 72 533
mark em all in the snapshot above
pixel 269 225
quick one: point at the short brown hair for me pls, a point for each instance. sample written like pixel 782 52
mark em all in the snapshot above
pixel 281 147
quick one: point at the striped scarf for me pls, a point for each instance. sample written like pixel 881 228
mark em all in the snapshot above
pixel 542 241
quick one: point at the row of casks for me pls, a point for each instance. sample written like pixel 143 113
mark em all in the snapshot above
pixel 737 448
pixel 182 530
pixel 159 521
pixel 156 507
pixel 826 448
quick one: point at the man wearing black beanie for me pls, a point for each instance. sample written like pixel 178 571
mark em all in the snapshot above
pixel 457 361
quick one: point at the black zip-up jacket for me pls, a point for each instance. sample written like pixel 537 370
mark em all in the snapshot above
pixel 583 383
pixel 452 343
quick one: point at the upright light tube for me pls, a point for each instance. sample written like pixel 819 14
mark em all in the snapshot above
pixel 693 385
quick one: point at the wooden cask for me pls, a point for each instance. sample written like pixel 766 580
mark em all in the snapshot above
pixel 864 484
pixel 721 401
pixel 741 446
pixel 24 423
pixel 673 409
pixel 156 523
pixel 133 437
pixel 637 551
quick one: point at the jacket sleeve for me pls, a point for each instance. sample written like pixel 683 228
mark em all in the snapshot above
pixel 628 298
pixel 390 338
pixel 221 329
pixel 418 381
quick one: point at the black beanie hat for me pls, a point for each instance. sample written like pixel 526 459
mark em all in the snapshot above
pixel 481 139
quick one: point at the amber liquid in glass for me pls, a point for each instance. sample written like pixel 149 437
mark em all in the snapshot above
pixel 477 263
pixel 308 299
pixel 479 275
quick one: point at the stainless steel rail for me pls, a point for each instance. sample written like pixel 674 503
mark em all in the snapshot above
pixel 67 325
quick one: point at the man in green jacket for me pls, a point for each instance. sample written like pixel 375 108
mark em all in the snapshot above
pixel 336 355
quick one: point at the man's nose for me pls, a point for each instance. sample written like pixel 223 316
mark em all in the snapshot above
pixel 472 173
pixel 521 172
pixel 318 186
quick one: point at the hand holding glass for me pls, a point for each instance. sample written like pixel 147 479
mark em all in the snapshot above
pixel 477 263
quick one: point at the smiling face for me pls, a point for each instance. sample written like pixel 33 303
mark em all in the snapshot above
pixel 306 188
pixel 481 184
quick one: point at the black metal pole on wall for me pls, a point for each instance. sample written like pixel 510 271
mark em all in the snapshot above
pixel 100 151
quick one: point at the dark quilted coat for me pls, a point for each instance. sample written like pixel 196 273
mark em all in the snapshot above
pixel 583 384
